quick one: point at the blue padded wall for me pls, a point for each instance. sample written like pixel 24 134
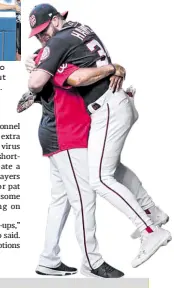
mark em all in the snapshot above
pixel 7 37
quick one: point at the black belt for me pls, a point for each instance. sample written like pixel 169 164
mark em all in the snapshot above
pixel 95 106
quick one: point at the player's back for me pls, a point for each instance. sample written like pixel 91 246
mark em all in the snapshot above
pixel 79 45
pixel 88 51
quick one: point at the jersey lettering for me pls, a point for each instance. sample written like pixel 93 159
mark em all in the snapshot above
pixel 62 68
pixel 92 46
pixel 81 32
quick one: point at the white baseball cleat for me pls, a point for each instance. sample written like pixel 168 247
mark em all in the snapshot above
pixel 150 243
pixel 158 218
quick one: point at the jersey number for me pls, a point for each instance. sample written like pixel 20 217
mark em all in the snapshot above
pixel 92 46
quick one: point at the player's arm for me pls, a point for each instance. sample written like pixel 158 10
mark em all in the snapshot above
pixel 51 58
pixel 37 80
pixel 88 76
pixel 8 7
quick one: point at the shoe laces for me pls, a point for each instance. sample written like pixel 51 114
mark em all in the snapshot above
pixel 108 268
pixel 64 267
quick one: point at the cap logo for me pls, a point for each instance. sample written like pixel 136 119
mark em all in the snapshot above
pixel 45 53
pixel 32 20
pixel 50 14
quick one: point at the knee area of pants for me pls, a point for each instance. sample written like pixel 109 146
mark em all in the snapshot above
pixel 94 183
pixel 97 183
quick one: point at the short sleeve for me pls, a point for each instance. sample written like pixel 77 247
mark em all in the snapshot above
pixel 53 55
pixel 62 74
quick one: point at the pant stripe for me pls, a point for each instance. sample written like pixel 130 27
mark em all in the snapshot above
pixel 82 210
pixel 100 169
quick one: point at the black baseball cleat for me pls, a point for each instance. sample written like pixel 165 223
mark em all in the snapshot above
pixel 104 271
pixel 61 270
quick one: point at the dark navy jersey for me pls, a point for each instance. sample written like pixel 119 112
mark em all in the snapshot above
pixel 77 44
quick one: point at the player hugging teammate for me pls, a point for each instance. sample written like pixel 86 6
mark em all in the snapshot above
pixel 83 130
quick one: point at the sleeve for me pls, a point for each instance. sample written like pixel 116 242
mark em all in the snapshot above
pixel 53 55
pixel 46 92
pixel 63 73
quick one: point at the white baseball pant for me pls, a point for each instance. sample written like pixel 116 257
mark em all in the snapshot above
pixel 70 187
pixel 129 179
pixel 110 126
pixel 60 205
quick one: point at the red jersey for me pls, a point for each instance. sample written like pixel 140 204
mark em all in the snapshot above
pixel 65 121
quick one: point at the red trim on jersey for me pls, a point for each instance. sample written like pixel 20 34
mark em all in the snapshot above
pixel 37 59
pixel 62 74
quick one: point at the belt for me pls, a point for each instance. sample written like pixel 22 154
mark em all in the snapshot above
pixel 101 100
pixel 95 106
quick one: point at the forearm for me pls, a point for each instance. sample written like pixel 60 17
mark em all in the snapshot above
pixel 7 7
pixel 88 76
pixel 35 90
pixel 34 86
pixel 37 80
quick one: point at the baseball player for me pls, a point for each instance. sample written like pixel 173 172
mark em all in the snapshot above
pixel 112 115
pixel 69 175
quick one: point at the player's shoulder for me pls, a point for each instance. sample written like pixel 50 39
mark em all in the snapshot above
pixel 66 30
pixel 71 33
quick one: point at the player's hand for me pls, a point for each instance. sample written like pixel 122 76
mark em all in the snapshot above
pixel 29 63
pixel 120 71
pixel 115 83
pixel 17 8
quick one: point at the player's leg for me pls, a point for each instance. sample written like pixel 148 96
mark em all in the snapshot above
pixel 50 262
pixel 110 127
pixel 73 166
pixel 129 179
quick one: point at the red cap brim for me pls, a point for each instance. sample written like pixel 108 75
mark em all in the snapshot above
pixel 43 26
pixel 39 29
